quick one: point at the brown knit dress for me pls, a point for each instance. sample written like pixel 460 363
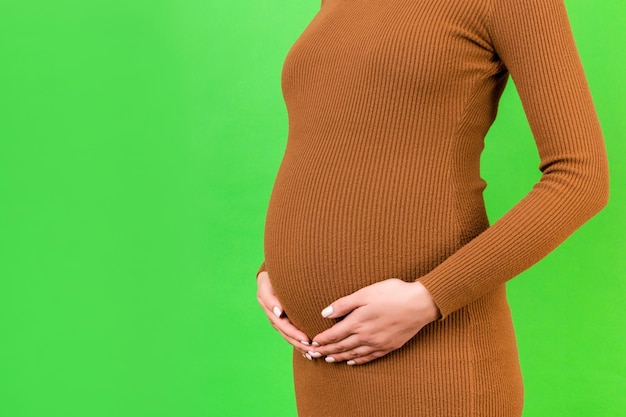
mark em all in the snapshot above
pixel 389 102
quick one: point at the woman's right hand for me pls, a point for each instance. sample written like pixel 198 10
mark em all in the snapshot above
pixel 277 316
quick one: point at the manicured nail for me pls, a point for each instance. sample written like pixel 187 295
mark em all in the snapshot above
pixel 315 354
pixel 308 357
pixel 303 355
pixel 351 363
pixel 277 311
pixel 304 342
pixel 327 311
pixel 329 359
pixel 315 344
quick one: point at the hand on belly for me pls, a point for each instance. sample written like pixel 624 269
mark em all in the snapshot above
pixel 375 320
pixel 276 315
pixel 378 319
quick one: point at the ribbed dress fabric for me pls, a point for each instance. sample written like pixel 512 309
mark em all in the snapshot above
pixel 389 103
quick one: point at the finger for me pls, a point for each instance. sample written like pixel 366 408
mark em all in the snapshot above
pixel 367 358
pixel 300 345
pixel 274 311
pixel 335 334
pixel 352 324
pixel 267 298
pixel 351 342
pixel 344 305
pixel 286 327
pixel 351 355
pixel 295 343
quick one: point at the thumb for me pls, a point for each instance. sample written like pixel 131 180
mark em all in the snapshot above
pixel 267 298
pixel 344 305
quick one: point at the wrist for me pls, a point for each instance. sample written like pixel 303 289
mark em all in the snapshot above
pixel 260 276
pixel 426 301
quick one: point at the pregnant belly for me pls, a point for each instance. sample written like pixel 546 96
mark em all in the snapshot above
pixel 318 250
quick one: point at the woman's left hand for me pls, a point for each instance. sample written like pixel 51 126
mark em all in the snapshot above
pixel 378 319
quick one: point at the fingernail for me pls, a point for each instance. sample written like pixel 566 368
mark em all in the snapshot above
pixel 303 355
pixel 327 311
pixel 277 311
pixel 351 363
pixel 315 354
pixel 308 357
pixel 329 359
pixel 315 344
pixel 304 342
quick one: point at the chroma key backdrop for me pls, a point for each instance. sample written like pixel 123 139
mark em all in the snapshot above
pixel 139 141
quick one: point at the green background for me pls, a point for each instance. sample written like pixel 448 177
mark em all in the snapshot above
pixel 138 145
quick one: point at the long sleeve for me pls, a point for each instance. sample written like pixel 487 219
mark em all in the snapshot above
pixel 534 41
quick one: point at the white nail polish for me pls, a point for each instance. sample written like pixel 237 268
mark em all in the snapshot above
pixel 277 311
pixel 308 357
pixel 315 344
pixel 351 363
pixel 315 354
pixel 329 359
pixel 327 311
pixel 304 342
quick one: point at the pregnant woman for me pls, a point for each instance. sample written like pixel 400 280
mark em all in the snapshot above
pixel 381 268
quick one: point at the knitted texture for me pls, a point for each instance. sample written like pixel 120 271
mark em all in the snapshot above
pixel 389 103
